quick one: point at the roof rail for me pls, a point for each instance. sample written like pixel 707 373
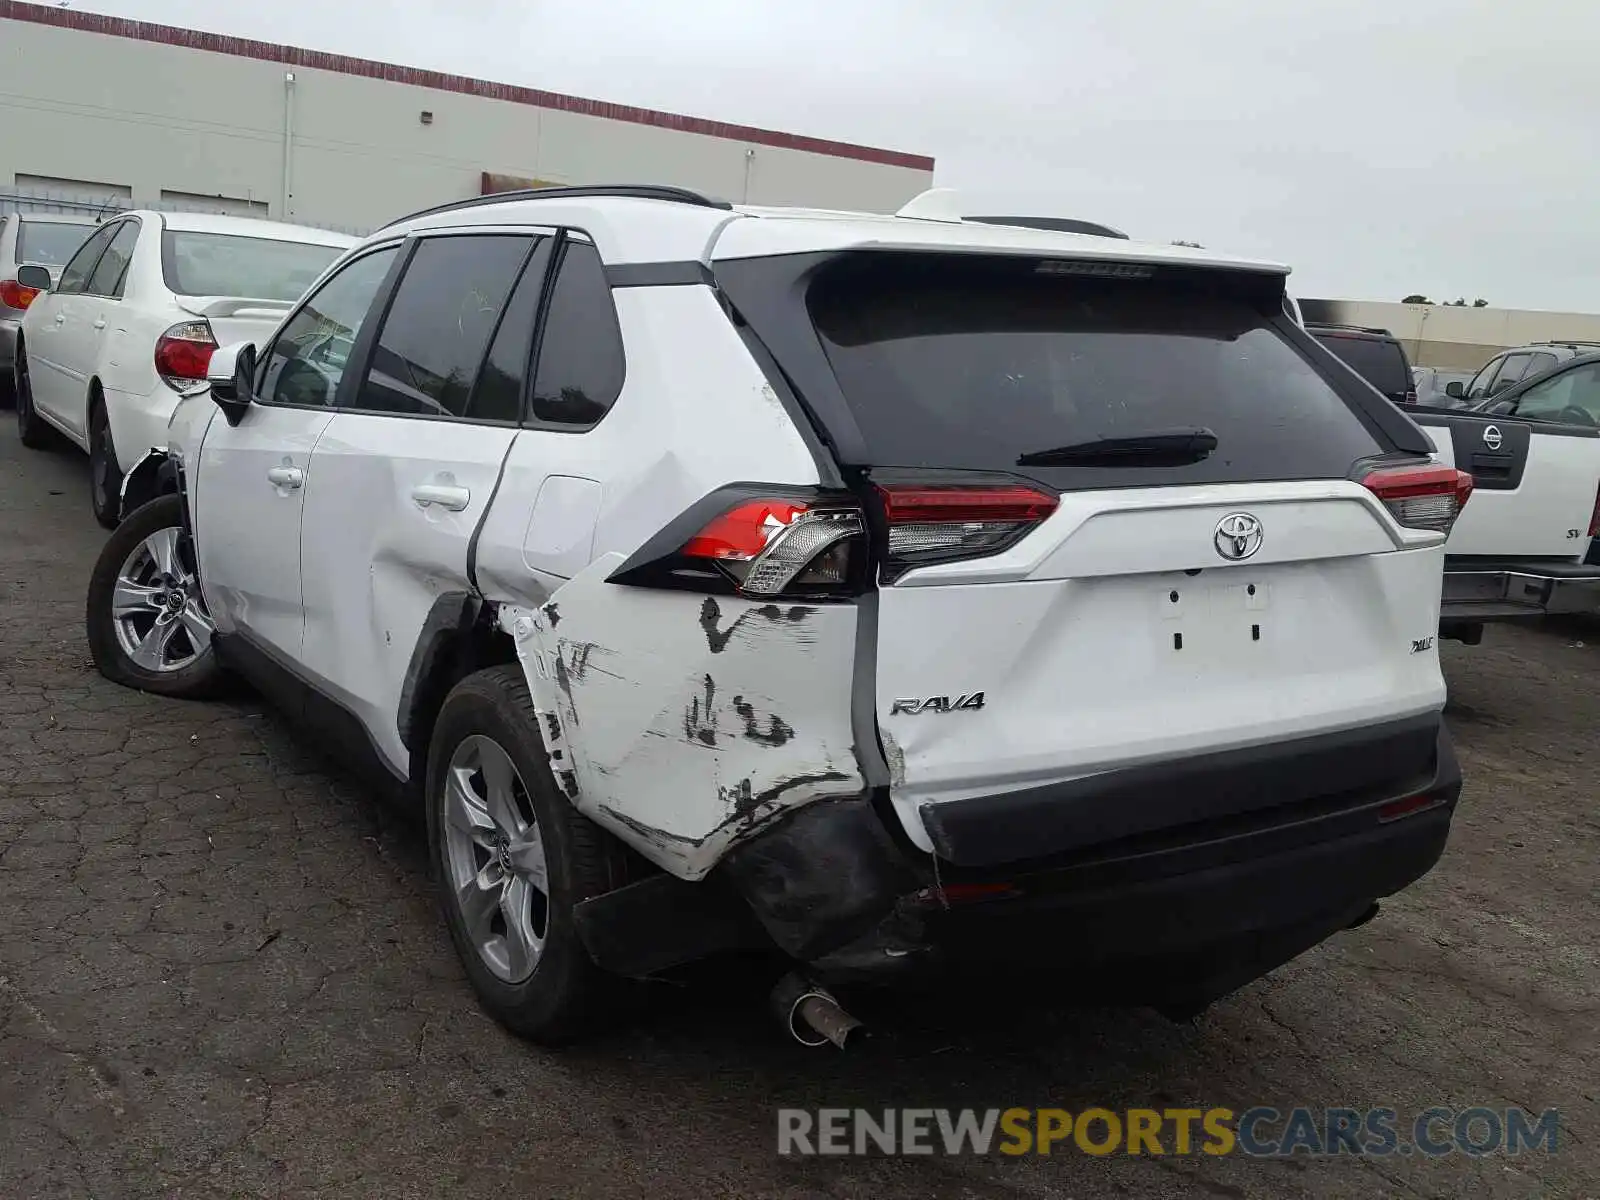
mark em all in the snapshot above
pixel 1054 225
pixel 632 191
pixel 1352 328
pixel 1567 342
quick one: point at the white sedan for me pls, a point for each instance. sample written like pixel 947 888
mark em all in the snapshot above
pixel 105 354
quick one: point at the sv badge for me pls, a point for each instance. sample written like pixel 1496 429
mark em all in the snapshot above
pixel 938 704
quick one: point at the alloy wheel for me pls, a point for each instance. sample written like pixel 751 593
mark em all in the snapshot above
pixel 156 608
pixel 494 851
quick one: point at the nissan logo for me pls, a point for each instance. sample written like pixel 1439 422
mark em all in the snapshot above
pixel 1491 437
pixel 1238 536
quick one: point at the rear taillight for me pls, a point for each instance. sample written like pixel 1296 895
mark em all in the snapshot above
pixel 183 354
pixel 1424 497
pixel 741 539
pixel 944 524
pixel 14 295
pixel 1594 517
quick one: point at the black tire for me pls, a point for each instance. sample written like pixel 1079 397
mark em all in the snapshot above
pixel 105 475
pixel 566 997
pixel 8 387
pixel 31 430
pixel 199 679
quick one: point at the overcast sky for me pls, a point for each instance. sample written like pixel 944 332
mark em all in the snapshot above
pixel 1380 147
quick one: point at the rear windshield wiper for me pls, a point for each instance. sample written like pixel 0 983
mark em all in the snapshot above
pixel 1158 448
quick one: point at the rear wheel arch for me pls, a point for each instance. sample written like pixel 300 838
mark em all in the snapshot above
pixel 458 638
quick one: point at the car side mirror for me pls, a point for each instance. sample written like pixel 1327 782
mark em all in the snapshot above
pixel 1455 390
pixel 35 277
pixel 232 377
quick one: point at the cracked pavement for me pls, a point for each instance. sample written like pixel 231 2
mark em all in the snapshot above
pixel 222 974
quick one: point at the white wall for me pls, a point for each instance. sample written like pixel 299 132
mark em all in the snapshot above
pixel 96 107
pixel 1452 338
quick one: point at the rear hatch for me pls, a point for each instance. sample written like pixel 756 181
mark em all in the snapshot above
pixel 1535 484
pixel 1119 522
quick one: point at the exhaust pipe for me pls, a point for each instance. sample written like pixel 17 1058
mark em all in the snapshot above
pixel 810 1013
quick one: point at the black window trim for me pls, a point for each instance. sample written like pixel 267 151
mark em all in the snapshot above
pixel 361 346
pixel 116 292
pixel 89 274
pixel 558 256
pixel 375 322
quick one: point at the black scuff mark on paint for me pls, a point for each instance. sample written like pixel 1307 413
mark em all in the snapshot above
pixel 739 797
pixel 778 730
pixel 552 727
pixel 569 782
pixel 552 614
pixel 718 639
pixel 649 832
pixel 699 719
pixel 795 781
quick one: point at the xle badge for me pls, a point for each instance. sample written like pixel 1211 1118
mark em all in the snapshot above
pixel 1418 645
pixel 938 704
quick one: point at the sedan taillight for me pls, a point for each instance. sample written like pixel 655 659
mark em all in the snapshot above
pixel 14 295
pixel 183 354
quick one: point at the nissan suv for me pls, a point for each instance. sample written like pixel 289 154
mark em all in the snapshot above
pixel 891 595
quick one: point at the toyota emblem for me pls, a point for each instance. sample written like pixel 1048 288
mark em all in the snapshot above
pixel 1238 536
pixel 1491 437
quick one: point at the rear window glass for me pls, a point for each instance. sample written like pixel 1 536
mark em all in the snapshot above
pixel 1379 362
pixel 49 243
pixel 225 264
pixel 973 364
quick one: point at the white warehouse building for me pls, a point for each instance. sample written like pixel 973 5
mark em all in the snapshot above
pixel 102 111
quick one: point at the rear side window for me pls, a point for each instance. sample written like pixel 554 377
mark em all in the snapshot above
pixel 49 243
pixel 581 365
pixel 439 325
pixel 112 271
pixel 253 268
pixel 974 364
pixel 498 394
pixel 1381 363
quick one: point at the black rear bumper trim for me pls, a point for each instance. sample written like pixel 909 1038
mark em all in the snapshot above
pixel 1037 823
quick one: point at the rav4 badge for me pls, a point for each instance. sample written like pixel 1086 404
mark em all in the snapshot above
pixel 938 704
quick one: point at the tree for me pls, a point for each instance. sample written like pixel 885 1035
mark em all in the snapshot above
pixel 1416 298
pixel 1480 302
pixel 1458 302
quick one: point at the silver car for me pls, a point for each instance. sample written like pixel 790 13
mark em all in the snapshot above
pixel 47 240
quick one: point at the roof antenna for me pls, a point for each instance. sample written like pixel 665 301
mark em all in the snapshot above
pixel 935 204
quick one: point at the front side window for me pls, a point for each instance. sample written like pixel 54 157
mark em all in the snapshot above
pixel 581 364
pixel 446 309
pixel 308 358
pixel 1572 397
pixel 110 274
pixel 253 268
pixel 76 275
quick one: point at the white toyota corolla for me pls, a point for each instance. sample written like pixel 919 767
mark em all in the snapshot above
pixel 105 353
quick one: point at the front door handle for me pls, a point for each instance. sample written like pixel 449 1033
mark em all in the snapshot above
pixel 286 477
pixel 60 317
pixel 444 495
pixel 100 324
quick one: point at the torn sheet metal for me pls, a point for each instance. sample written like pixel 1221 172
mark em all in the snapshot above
pixel 680 721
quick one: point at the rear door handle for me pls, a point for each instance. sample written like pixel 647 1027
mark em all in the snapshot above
pixel 444 495
pixel 60 317
pixel 286 477
pixel 100 324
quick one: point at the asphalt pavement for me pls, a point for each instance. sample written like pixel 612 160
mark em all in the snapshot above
pixel 223 974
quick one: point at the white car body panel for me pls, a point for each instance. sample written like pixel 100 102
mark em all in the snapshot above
pixel 375 557
pixel 687 721
pixel 1546 516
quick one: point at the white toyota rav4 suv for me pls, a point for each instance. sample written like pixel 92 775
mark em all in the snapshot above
pixel 891 594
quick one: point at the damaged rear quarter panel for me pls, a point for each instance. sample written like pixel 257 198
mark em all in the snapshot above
pixel 683 722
